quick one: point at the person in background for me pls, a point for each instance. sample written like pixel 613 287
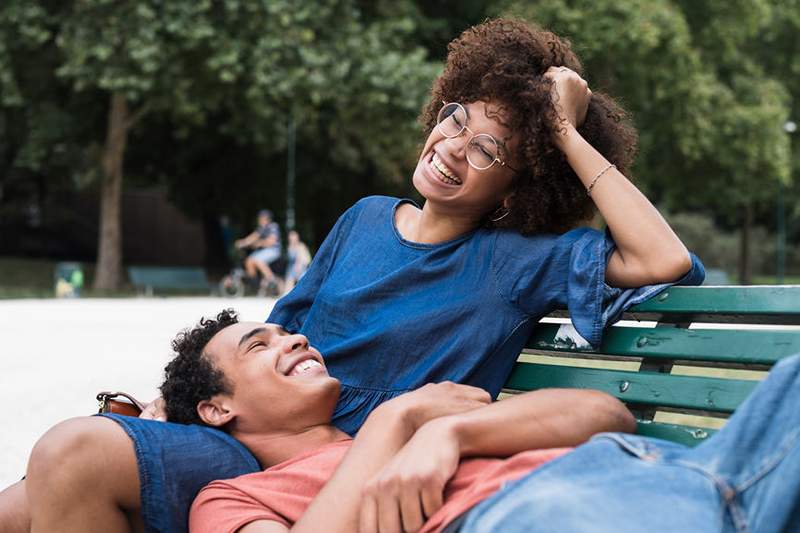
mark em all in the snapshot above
pixel 298 260
pixel 265 241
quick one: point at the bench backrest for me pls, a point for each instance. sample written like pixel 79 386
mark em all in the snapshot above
pixel 685 370
pixel 183 278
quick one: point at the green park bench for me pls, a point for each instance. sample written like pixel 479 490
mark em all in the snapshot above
pixel 679 382
pixel 146 279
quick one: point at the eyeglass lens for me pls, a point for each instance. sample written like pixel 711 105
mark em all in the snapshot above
pixel 482 148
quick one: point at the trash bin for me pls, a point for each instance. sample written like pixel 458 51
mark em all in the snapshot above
pixel 68 280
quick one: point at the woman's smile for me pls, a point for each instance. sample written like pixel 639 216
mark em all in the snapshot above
pixel 439 173
pixel 448 175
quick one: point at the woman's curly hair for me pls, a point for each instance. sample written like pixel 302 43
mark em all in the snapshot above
pixel 503 61
pixel 191 377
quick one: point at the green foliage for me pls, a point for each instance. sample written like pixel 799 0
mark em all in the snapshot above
pixel 709 83
pixel 233 71
pixel 254 63
pixel 23 27
pixel 709 113
pixel 719 247
pixel 257 64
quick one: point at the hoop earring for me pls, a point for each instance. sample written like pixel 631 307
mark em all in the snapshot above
pixel 495 217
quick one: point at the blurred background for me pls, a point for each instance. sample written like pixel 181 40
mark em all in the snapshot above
pixel 150 133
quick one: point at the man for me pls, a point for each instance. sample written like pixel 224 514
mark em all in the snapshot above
pixel 394 476
pixel 276 397
pixel 270 392
pixel 265 241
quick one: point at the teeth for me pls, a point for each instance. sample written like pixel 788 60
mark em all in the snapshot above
pixel 447 174
pixel 304 366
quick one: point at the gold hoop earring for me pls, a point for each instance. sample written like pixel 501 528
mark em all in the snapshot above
pixel 495 217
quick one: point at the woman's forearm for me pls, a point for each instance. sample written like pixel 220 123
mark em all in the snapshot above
pixel 648 251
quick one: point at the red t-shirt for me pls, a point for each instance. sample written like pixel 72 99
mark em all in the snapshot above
pixel 283 492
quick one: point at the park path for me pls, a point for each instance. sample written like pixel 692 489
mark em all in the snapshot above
pixel 57 354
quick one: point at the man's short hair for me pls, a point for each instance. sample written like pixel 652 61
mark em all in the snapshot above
pixel 265 213
pixel 191 376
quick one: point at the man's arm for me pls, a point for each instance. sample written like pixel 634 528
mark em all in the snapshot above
pixel 387 429
pixel 409 489
pixel 247 241
pixel 547 418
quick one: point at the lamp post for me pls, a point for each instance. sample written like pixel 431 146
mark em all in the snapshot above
pixel 290 174
pixel 789 127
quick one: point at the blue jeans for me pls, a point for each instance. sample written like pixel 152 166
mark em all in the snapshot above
pixel 745 478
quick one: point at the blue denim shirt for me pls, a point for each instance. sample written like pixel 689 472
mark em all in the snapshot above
pixel 390 315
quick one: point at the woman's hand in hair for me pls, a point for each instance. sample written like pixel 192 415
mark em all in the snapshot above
pixel 571 95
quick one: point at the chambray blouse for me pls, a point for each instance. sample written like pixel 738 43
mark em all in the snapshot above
pixel 390 315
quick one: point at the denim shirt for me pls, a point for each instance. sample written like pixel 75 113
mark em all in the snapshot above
pixel 390 315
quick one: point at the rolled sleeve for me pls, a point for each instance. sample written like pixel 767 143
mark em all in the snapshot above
pixel 541 273
pixel 593 304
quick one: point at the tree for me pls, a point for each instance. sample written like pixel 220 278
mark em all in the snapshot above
pixel 41 140
pixel 248 65
pixel 708 113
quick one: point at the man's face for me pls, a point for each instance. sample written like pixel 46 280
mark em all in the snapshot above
pixel 279 382
pixel 263 220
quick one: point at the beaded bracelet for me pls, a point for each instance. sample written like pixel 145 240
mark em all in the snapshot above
pixel 591 185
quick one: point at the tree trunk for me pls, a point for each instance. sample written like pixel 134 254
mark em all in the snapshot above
pixel 108 274
pixel 745 273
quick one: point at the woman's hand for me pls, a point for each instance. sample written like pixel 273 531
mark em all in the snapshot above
pixel 571 95
pixel 155 410
pixel 410 489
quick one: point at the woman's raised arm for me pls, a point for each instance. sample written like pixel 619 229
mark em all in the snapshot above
pixel 648 251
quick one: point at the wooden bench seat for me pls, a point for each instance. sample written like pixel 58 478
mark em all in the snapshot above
pixel 169 278
pixel 682 361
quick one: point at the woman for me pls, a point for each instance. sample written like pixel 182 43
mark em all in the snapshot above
pixel 518 150
pixel 298 259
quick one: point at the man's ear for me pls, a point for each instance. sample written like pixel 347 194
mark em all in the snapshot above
pixel 215 412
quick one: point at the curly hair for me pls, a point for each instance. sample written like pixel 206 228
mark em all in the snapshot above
pixel 503 61
pixel 191 377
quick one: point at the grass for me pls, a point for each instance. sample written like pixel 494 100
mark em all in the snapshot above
pixel 26 278
pixel 773 280
pixel 33 278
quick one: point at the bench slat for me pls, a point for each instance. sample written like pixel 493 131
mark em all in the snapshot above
pixel 169 277
pixel 649 388
pixel 688 435
pixel 750 304
pixel 721 345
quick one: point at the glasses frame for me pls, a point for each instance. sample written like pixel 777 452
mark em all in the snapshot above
pixel 472 136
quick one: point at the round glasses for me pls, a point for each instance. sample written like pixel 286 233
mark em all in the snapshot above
pixel 483 150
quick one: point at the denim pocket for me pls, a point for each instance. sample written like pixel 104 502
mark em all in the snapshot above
pixel 637 446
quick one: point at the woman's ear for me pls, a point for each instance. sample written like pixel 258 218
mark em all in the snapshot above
pixel 214 412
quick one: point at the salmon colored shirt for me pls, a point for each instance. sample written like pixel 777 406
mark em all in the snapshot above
pixel 283 492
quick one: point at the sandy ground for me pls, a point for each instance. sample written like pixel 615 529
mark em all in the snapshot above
pixel 57 354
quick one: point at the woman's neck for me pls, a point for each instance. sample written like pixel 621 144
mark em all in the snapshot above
pixel 430 225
